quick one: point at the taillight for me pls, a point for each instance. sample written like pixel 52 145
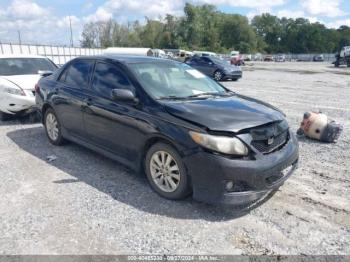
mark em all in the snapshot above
pixel 37 88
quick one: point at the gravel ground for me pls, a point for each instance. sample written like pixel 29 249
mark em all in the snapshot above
pixel 84 203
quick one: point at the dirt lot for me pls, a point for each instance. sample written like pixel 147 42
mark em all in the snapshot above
pixel 84 203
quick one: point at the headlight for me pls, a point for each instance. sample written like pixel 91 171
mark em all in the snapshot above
pixel 12 90
pixel 222 144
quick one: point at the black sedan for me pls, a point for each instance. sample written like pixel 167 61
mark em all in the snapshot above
pixel 183 130
pixel 215 67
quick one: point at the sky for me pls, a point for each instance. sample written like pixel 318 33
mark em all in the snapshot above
pixel 47 21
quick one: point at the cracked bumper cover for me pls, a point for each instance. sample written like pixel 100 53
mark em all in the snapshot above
pixel 210 172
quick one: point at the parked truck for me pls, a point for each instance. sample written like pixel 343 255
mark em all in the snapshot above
pixel 343 57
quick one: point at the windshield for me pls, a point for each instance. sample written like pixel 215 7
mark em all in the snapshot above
pixel 24 66
pixel 219 61
pixel 166 79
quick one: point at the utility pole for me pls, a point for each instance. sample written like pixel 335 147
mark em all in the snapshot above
pixel 71 32
pixel 19 40
pixel 19 37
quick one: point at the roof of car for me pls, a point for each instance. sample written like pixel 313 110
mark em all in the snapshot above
pixel 21 56
pixel 127 59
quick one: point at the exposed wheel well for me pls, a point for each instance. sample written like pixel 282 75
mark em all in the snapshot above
pixel 218 70
pixel 43 111
pixel 150 142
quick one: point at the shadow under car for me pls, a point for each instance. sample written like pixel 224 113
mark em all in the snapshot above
pixel 120 183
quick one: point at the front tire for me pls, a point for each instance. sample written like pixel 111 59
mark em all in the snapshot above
pixel 218 75
pixel 166 172
pixel 53 128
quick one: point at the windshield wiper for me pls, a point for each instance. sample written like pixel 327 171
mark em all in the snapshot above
pixel 200 95
pixel 205 94
pixel 172 98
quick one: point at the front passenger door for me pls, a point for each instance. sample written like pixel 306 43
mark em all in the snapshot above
pixel 111 124
pixel 208 66
pixel 199 64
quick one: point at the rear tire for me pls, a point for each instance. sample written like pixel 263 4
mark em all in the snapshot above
pixel 53 128
pixel 166 172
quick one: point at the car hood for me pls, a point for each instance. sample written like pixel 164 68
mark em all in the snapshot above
pixel 26 82
pixel 230 114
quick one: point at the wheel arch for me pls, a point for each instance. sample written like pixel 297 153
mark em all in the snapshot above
pixel 45 107
pixel 219 70
pixel 166 140
pixel 152 141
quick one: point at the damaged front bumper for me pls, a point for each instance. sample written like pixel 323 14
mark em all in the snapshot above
pixel 14 104
pixel 252 178
pixel 233 75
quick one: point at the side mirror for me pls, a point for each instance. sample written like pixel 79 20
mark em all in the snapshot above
pixel 45 73
pixel 123 95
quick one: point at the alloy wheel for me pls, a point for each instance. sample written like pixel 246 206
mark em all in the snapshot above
pixel 218 76
pixel 165 171
pixel 52 126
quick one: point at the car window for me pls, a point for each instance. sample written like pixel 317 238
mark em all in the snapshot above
pixel 206 60
pixel 25 66
pixel 77 74
pixel 194 59
pixel 108 77
pixel 63 76
pixel 177 79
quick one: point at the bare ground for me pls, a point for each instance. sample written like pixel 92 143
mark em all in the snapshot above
pixel 84 203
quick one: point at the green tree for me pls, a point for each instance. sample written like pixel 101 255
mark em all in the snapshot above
pixel 236 33
pixel 203 27
pixel 269 28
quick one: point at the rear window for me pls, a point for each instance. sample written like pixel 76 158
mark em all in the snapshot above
pixel 25 66
pixel 77 74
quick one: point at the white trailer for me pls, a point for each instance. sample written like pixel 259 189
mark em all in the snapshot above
pixel 128 51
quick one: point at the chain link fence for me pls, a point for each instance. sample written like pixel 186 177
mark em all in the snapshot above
pixel 309 57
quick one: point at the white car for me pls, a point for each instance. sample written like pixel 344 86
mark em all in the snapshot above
pixel 18 77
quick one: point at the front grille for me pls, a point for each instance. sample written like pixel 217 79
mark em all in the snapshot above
pixel 267 146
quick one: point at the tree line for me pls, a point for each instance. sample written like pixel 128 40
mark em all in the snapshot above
pixel 205 28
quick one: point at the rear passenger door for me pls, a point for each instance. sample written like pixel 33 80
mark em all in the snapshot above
pixel 70 96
